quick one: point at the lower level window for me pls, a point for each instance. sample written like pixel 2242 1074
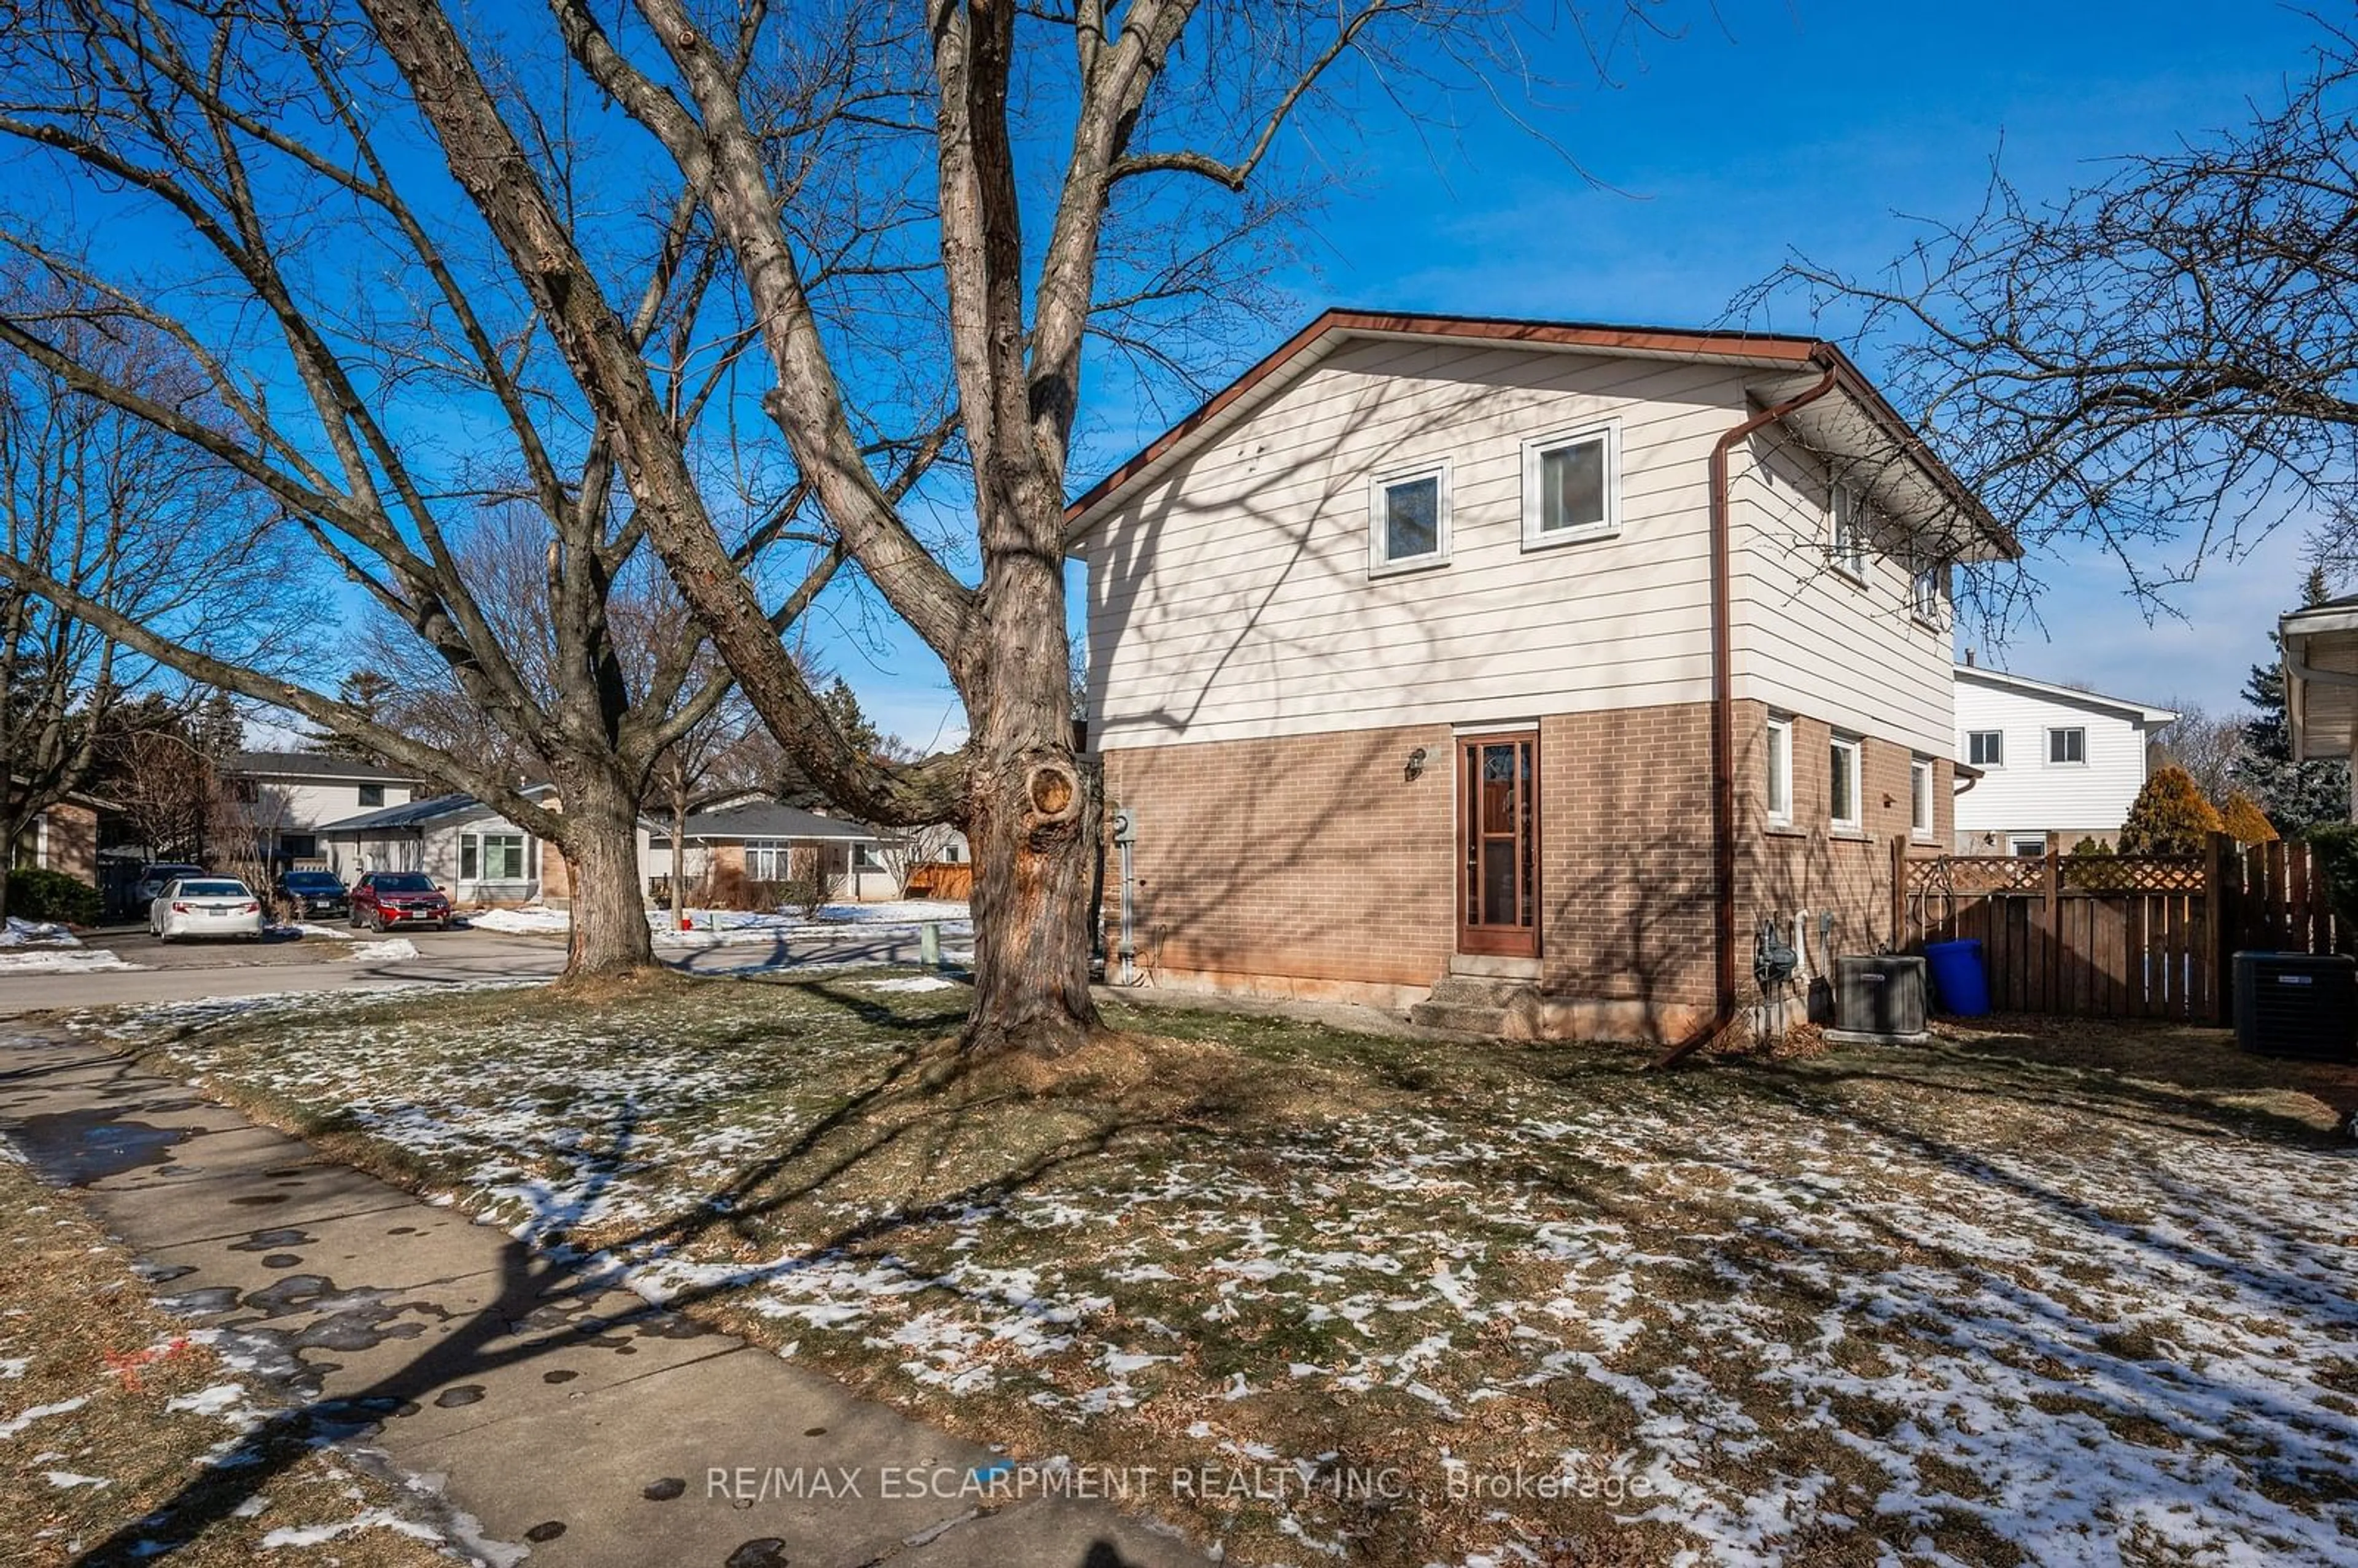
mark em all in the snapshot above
pixel 768 861
pixel 1919 798
pixel 1843 794
pixel 2031 848
pixel 491 857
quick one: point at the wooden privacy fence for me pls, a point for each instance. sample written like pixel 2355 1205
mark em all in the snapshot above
pixel 2115 935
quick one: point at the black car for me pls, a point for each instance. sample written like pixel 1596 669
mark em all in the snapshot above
pixel 305 894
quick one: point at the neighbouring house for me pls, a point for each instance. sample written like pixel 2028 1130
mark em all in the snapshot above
pixel 467 847
pixel 2052 759
pixel 2320 665
pixel 287 799
pixel 754 837
pixel 1539 662
pixel 63 838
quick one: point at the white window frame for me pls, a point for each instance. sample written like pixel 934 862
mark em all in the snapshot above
pixel 475 843
pixel 1378 515
pixel 780 853
pixel 1849 747
pixel 1779 745
pixel 1844 507
pixel 1536 535
pixel 2037 849
pixel 1973 735
pixel 1926 608
pixel 1924 809
pixel 2079 730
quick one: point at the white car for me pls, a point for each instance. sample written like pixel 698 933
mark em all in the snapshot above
pixel 205 906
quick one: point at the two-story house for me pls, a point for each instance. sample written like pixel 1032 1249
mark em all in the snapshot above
pixel 286 799
pixel 1551 655
pixel 2052 759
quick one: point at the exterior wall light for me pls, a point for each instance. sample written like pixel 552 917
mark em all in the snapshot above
pixel 1415 765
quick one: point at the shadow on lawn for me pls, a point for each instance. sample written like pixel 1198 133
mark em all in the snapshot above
pixel 545 1284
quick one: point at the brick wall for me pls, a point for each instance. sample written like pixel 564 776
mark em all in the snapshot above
pixel 1308 857
pixel 1811 867
pixel 1626 846
pixel 72 840
pixel 1309 865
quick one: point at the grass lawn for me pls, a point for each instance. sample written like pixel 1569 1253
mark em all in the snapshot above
pixel 1939 1305
pixel 108 1408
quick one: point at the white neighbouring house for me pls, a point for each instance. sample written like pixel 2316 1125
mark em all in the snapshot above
pixel 287 798
pixel 480 857
pixel 2052 759
pixel 2320 665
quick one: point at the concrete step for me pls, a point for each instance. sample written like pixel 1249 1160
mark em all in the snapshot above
pixel 1478 990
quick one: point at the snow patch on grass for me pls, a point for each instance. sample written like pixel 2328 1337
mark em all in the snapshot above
pixel 17 933
pixel 77 960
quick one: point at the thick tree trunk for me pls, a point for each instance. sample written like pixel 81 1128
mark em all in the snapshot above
pixel 611 936
pixel 1033 821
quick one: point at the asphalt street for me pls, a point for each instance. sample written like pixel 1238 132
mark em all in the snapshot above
pixel 189 971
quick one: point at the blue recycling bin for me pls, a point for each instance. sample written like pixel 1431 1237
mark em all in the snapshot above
pixel 1960 984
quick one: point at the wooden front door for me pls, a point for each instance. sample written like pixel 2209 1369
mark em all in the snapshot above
pixel 1498 835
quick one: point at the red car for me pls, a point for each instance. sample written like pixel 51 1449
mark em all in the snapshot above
pixel 387 899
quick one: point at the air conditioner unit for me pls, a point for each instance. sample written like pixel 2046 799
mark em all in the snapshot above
pixel 1879 999
pixel 2298 1004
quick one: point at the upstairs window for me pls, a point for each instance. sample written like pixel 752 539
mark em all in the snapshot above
pixel 1987 748
pixel 372 795
pixel 1409 522
pixel 1846 534
pixel 1572 485
pixel 1842 791
pixel 2067 748
pixel 1926 589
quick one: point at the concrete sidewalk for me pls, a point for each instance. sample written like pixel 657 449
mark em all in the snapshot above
pixel 561 1419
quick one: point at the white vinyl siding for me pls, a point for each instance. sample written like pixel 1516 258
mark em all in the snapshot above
pixel 1232 599
pixel 2029 792
pixel 1808 640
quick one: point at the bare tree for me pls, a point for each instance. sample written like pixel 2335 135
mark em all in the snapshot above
pixel 2202 743
pixel 1130 131
pixel 902 850
pixel 135 521
pixel 2160 366
pixel 390 392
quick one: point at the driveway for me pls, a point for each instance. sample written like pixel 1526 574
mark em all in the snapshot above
pixel 191 971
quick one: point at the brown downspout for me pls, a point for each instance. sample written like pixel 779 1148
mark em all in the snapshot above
pixel 1723 720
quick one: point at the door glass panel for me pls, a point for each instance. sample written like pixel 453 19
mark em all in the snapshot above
pixel 1498 789
pixel 1499 882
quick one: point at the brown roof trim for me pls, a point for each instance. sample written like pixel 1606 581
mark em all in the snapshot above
pixel 1758 347
pixel 1729 345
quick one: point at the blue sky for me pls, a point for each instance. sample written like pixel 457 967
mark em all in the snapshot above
pixel 1777 125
